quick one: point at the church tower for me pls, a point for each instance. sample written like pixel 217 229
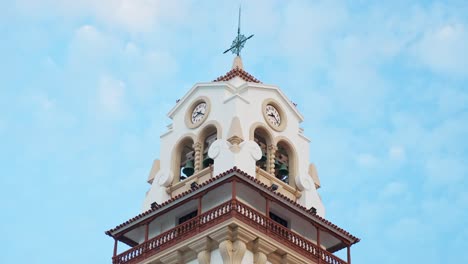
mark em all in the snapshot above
pixel 233 183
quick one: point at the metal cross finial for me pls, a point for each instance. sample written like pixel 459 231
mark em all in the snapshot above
pixel 239 41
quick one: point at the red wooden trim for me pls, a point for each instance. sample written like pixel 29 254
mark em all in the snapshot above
pixel 300 214
pixel 147 231
pixel 127 241
pixel 234 194
pixel 115 247
pixel 349 254
pixel 248 182
pixel 267 207
pixel 200 205
pixel 217 215
pixel 170 208
pixel 319 244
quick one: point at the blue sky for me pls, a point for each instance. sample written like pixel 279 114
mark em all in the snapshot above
pixel 85 87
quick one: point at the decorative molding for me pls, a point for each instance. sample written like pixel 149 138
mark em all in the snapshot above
pixel 174 257
pixel 222 234
pixel 243 235
pixel 235 136
pixel 239 248
pixel 261 249
pixel 290 259
pixel 201 244
pixel 154 170
pixel 203 248
pixel 225 249
pixel 314 175
pixel 232 252
pixel 165 178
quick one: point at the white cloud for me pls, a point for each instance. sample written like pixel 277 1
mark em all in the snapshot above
pixel 397 153
pixel 130 15
pixel 366 160
pixel 408 228
pixel 42 102
pixel 111 96
pixel 443 49
pixel 445 170
pixel 394 189
pixel 88 47
pixel 89 39
pixel 133 15
pixel 131 49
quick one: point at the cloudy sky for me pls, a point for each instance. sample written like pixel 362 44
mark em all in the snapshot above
pixel 85 87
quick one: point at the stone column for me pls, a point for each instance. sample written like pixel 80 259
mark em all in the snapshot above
pixel 198 156
pixel 271 159
pixel 203 249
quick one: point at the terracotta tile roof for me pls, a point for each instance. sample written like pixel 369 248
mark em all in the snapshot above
pixel 249 177
pixel 239 73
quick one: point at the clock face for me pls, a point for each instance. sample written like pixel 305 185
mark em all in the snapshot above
pixel 273 115
pixel 198 113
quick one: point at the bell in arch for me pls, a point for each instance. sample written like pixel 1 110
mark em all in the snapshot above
pixel 264 157
pixel 188 169
pixel 207 161
pixel 277 164
pixel 283 170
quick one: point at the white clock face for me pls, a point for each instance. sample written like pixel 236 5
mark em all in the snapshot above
pixel 273 115
pixel 199 112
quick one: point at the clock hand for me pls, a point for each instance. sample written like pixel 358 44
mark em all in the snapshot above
pixel 272 115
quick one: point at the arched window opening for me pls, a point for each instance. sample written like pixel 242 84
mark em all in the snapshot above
pixel 208 135
pixel 187 157
pixel 282 163
pixel 207 161
pixel 262 143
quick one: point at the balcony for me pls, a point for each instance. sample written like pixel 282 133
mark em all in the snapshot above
pixel 232 209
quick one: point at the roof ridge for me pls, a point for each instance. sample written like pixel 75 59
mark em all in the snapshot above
pixel 237 72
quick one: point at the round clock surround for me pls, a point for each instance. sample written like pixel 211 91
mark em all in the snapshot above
pixel 274 115
pixel 197 112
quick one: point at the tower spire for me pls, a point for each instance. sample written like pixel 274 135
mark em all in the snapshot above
pixel 238 23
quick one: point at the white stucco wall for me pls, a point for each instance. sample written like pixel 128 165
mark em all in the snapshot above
pixel 216 256
pixel 248 257
pixel 228 100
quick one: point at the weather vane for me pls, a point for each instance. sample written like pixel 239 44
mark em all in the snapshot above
pixel 239 41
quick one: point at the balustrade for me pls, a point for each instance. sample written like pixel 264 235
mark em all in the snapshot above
pixel 217 215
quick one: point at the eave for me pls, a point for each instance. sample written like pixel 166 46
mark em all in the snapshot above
pixel 212 183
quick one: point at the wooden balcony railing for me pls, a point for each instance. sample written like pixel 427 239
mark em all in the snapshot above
pixel 219 214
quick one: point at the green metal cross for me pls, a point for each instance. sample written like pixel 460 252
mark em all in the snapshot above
pixel 239 41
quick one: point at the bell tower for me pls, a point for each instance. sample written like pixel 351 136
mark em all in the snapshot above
pixel 233 183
